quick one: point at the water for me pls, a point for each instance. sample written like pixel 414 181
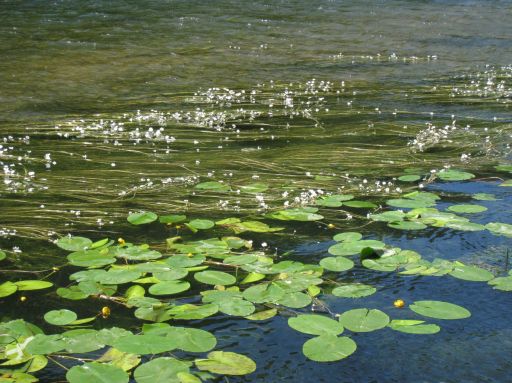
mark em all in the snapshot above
pixel 136 102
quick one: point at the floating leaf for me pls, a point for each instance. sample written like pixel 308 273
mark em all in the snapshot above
pixel 200 224
pixel 471 273
pixel 254 188
pixel 454 175
pixel 213 186
pixel 507 183
pixel 351 248
pixel 142 218
pixel 60 317
pixel 160 370
pixel 355 290
pixel 189 312
pixel 388 216
pixel 138 253
pixel 172 218
pixel 117 277
pixel 123 360
pixel 364 320
pixel 215 278
pixel 502 283
pixel 504 168
pixel 329 348
pixel 7 288
pixel 263 315
pixel 236 307
pixel 295 300
pixel 315 324
pixel 186 338
pixel 335 200
pixel 169 287
pixel 263 293
pixel 465 226
pixel 226 363
pixel 467 209
pixel 500 228
pixel 439 310
pixel 336 264
pixel 145 344
pixel 407 225
pixel 74 243
pixel 413 326
pixel 348 237
pixel 95 372
pixel 484 197
pixel 299 214
pixel 2 255
pixel 409 178
pixel 72 293
pixel 90 258
pixel 360 204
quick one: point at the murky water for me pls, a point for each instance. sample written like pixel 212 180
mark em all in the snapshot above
pixel 107 108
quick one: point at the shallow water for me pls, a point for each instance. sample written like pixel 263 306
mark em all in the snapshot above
pixel 107 108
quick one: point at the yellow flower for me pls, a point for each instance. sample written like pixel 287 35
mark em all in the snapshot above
pixel 331 226
pixel 399 303
pixel 23 298
pixel 121 241
pixel 105 312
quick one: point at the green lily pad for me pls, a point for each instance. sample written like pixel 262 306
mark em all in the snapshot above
pixel 500 228
pixel 484 197
pixel 2 255
pixel 439 310
pixel 413 326
pixel 226 363
pixel 360 204
pixel 169 287
pixel 504 168
pixel 117 277
pixel 295 300
pixel 502 283
pixel 315 324
pixel 200 224
pixel 262 315
pixel 236 307
pixel 454 175
pixel 60 317
pixel 90 258
pixel 506 183
pixel 190 339
pixel 32 285
pixel 338 264
pixel 407 225
pixel 467 209
pixel 142 218
pixel 299 214
pixel 364 320
pixel 190 312
pixel 355 290
pixel 471 273
pixel 7 288
pixel 351 248
pixel 329 348
pixel 409 203
pixel 388 216
pixel 214 278
pixel 145 344
pixel 74 243
pixel 95 372
pixel 172 218
pixel 335 200
pixel 158 370
pixel 349 236
pixel 409 178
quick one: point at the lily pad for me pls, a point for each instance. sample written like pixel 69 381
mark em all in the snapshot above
pixel 169 287
pixel 348 236
pixel 360 204
pixel 364 320
pixel 355 290
pixel 172 218
pixel 454 175
pixel 60 317
pixel 338 264
pixel 142 218
pixel 7 288
pixel 329 348
pixel 440 310
pixel 299 214
pixel 467 209
pixel 145 344
pixel 257 187
pixel 414 326
pixel 471 273
pixel 484 197
pixel 315 324
pixel 95 372
pixel 409 203
pixel 214 278
pixel 500 228
pixel 407 225
pixel 409 178
pixel 226 363
pixel 200 224
pixel 160 370
pixel 74 243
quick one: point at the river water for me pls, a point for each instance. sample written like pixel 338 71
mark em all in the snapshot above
pixel 112 107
